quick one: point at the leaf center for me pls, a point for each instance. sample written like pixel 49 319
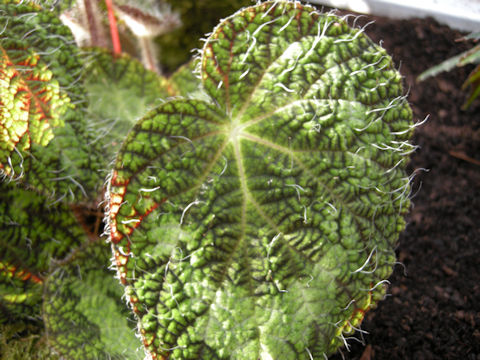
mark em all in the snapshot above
pixel 235 130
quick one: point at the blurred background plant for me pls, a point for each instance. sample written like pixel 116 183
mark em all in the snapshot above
pixel 471 56
pixel 198 17
pixel 161 32
pixel 81 93
pixel 97 77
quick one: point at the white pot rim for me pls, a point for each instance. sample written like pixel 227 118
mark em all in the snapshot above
pixel 462 15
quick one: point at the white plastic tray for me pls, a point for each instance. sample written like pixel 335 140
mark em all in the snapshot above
pixel 458 14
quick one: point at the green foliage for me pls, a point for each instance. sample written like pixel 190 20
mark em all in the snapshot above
pixel 21 341
pixel 48 148
pixel 53 264
pixel 185 81
pixel 108 83
pixel 253 207
pixel 84 315
pixel 34 232
pixel 471 56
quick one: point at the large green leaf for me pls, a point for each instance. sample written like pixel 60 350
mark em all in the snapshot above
pixel 262 224
pixel 85 317
pixel 45 140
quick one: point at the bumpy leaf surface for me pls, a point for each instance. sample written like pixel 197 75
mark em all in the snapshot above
pixel 30 105
pixel 50 269
pixel 45 139
pixel 261 225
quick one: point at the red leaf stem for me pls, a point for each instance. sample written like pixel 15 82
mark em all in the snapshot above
pixel 117 49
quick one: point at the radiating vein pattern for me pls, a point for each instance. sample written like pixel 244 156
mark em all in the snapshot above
pixel 261 225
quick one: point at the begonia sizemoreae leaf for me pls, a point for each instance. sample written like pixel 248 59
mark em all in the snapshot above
pixel 45 142
pixel 262 224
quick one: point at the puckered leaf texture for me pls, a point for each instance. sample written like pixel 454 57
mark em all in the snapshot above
pixel 262 224
pixel 30 105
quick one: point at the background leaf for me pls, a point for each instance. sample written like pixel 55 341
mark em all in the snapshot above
pixel 185 82
pixel 33 233
pixel 62 161
pixel 446 65
pixel 20 293
pixel 264 225
pixel 120 91
pixel 31 105
pixel 21 341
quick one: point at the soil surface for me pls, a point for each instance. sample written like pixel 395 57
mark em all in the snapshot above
pixel 433 307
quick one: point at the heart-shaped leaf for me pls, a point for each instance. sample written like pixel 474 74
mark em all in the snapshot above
pixel 262 224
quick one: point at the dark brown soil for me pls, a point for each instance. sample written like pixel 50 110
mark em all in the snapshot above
pixel 433 310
